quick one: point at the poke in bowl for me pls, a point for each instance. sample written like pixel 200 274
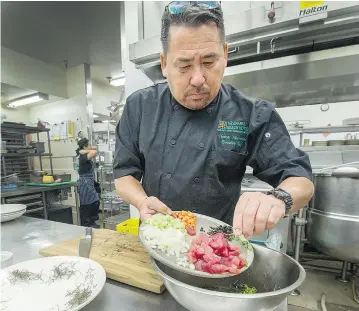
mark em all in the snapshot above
pixel 196 244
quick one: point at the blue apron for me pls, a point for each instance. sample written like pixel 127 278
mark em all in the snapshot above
pixel 86 188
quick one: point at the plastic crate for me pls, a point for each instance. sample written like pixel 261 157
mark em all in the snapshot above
pixel 130 226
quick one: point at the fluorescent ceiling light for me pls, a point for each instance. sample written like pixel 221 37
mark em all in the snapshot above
pixel 105 121
pixel 118 81
pixel 95 116
pixel 28 99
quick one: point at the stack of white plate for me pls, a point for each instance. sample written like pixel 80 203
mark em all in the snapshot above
pixel 11 211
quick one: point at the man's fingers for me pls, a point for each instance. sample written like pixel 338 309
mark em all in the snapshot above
pixel 164 209
pixel 249 216
pixel 262 217
pixel 144 215
pixel 159 206
pixel 238 214
pixel 276 214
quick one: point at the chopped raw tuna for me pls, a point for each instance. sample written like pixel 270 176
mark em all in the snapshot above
pixel 191 230
pixel 213 254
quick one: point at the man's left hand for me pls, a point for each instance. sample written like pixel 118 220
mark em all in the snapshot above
pixel 256 212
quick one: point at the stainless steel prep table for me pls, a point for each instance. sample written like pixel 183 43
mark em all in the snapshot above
pixel 25 236
pixel 26 190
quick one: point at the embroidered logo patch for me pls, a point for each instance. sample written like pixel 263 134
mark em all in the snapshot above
pixel 232 134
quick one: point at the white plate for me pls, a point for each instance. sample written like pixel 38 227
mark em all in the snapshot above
pixel 6 259
pixel 12 216
pixel 11 208
pixel 42 291
pixel 18 212
pixel 203 223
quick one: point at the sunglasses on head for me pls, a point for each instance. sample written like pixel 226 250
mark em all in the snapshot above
pixel 178 7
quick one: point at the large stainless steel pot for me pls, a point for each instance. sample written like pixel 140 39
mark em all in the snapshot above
pixel 333 226
pixel 274 274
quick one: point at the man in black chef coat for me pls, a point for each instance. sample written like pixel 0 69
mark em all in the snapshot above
pixel 190 139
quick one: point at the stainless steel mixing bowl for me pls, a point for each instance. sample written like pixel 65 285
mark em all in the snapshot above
pixel 274 274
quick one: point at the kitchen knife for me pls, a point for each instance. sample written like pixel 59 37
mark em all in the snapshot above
pixel 85 244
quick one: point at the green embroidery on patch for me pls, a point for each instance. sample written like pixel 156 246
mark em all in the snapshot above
pixel 232 133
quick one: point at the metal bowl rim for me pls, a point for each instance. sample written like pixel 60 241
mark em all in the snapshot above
pixel 329 174
pixel 332 215
pixel 295 285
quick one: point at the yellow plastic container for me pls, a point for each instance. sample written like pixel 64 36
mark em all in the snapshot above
pixel 47 179
pixel 130 226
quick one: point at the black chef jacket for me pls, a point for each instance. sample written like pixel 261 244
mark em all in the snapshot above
pixel 195 160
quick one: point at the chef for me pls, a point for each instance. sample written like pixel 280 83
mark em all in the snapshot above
pixel 185 144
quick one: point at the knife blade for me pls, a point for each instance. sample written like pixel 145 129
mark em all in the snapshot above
pixel 85 244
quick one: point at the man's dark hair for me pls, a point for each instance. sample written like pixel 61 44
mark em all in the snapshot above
pixel 192 16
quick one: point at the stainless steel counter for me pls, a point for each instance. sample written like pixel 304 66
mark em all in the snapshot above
pixel 25 236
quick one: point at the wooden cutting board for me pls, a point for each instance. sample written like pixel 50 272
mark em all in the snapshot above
pixel 122 256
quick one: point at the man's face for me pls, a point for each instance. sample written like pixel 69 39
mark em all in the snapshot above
pixel 194 65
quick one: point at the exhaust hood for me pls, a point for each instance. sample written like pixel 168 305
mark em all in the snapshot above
pixel 288 62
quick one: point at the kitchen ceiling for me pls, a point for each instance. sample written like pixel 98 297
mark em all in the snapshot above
pixel 79 32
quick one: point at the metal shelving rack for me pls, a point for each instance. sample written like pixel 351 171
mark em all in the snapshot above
pixel 17 163
pixel 110 215
pixel 326 129
pixel 14 134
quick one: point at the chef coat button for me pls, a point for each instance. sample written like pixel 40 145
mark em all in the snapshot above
pixel 173 141
pixel 267 135
pixel 168 175
pixel 196 179
pixel 201 145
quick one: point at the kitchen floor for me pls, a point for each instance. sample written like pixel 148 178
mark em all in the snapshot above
pixel 339 296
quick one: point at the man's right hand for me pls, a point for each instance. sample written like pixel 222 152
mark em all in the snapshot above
pixel 151 206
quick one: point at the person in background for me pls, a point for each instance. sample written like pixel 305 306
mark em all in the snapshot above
pixel 89 198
